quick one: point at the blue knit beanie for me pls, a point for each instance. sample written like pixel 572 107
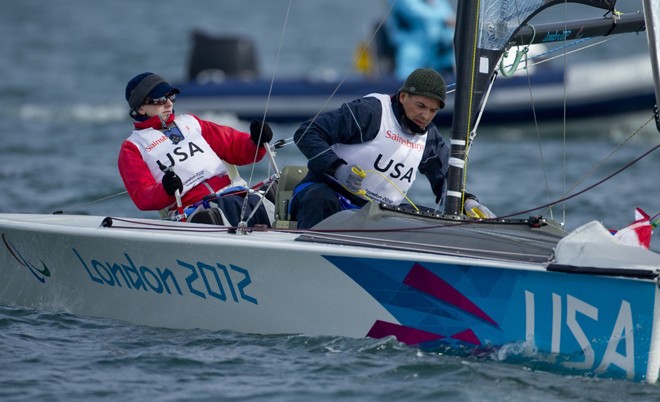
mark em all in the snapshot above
pixel 147 85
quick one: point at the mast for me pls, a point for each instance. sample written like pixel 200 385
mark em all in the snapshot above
pixel 484 28
pixel 465 45
pixel 652 16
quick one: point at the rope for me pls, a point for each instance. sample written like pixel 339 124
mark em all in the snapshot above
pixel 395 187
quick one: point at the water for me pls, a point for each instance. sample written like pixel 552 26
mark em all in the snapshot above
pixel 61 357
pixel 65 66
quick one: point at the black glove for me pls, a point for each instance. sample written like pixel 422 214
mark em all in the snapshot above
pixel 172 182
pixel 257 129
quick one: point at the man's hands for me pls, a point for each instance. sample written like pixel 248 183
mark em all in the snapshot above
pixel 474 209
pixel 172 182
pixel 350 177
pixel 260 133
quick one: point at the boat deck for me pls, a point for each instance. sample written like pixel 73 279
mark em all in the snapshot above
pixel 402 228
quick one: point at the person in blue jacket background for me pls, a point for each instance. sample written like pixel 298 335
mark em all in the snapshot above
pixel 371 148
pixel 422 33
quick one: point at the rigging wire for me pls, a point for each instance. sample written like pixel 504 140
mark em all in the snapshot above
pixel 563 55
pixel 528 59
pixel 289 140
pixel 538 134
pixel 615 150
pixel 533 103
pixel 563 166
pixel 510 72
pixel 263 122
pixel 272 82
pixel 531 62
pixel 357 57
pixel 432 226
pixel 564 198
pixel 84 204
pixel 610 176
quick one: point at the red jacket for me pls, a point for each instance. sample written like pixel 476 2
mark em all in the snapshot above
pixel 232 146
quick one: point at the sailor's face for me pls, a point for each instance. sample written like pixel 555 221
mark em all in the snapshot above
pixel 163 110
pixel 420 109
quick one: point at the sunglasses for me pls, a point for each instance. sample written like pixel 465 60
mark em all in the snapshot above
pixel 160 101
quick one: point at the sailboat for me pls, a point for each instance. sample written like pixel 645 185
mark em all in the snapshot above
pixel 584 302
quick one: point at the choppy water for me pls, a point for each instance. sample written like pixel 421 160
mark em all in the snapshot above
pixel 64 67
pixel 60 357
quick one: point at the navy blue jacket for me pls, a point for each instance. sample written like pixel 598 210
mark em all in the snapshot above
pixel 357 122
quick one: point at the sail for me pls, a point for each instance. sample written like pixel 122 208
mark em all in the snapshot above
pixel 652 17
pixel 484 28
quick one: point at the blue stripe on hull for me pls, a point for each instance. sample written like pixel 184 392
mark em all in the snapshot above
pixel 580 323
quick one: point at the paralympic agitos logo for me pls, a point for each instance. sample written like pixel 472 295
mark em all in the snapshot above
pixel 40 274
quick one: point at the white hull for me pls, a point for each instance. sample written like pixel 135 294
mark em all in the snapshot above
pixel 178 275
pixel 239 294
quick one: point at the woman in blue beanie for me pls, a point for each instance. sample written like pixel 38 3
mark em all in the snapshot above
pixel 166 153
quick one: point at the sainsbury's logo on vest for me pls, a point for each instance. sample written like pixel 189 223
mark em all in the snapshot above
pixel 403 141
pixel 155 143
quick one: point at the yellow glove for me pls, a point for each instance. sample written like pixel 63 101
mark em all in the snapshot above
pixel 351 178
pixel 474 209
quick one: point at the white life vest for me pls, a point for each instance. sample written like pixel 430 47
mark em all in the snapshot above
pixel 192 159
pixel 391 159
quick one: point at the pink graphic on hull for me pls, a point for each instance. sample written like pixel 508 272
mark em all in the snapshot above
pixel 467 336
pixel 407 335
pixel 425 281
pixel 414 336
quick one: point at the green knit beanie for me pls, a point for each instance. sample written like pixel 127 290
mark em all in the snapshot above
pixel 426 82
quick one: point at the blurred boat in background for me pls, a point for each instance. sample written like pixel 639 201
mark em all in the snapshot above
pixel 223 76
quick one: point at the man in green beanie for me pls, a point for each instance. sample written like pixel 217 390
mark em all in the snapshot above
pixel 370 150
